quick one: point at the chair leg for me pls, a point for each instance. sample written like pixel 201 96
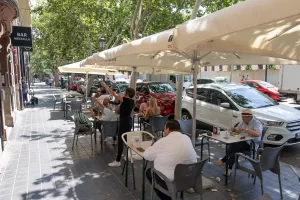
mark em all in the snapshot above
pixel 123 170
pixel 73 141
pixel 92 141
pixel 132 167
pixel 77 140
pixel 262 186
pixel 208 146
pixel 280 187
pixel 234 176
pixel 254 179
pixel 181 196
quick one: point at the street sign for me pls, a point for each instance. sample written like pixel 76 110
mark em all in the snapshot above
pixel 21 37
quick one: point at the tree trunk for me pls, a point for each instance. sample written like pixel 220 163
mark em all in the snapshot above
pixel 56 77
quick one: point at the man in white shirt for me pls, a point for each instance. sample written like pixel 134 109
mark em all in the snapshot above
pixel 175 148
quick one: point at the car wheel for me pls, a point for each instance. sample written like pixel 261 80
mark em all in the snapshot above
pixel 185 115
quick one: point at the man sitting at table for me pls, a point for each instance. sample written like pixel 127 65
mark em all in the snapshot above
pixel 250 126
pixel 166 154
pixel 107 113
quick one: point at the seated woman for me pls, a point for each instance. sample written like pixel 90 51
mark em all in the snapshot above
pixel 143 107
pixel 153 109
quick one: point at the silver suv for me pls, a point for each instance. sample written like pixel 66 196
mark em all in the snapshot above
pixel 221 105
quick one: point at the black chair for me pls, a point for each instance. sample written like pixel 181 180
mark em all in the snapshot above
pixel 186 176
pixel 108 129
pixel 82 128
pixel 156 124
pixel 267 159
pixel 187 127
pixel 57 100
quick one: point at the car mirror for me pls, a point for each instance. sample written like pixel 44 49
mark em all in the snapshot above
pixel 225 105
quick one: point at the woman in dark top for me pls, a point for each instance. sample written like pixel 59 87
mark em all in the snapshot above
pixel 125 122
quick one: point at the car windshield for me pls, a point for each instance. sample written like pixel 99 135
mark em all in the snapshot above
pixel 161 88
pixel 122 88
pixel 250 98
pixel 266 84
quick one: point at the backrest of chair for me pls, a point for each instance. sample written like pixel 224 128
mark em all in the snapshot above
pixel 186 126
pixel 109 128
pixel 158 122
pixel 130 136
pixel 185 175
pixel 270 158
pixel 75 105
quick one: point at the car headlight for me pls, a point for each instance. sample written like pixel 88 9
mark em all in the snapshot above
pixel 271 123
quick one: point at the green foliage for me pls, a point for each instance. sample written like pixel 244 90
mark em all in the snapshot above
pixel 272 67
pixel 65 29
pixel 248 67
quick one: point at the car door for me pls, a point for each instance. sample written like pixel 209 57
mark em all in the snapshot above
pixel 222 117
pixel 203 105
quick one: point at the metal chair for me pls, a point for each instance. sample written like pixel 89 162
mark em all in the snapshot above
pixel 156 124
pixel 108 129
pixel 74 106
pixel 187 127
pixel 82 128
pixel 57 100
pixel 128 139
pixel 267 159
pixel 186 176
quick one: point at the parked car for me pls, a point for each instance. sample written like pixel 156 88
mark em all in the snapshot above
pixel 119 89
pixel 221 105
pixel 162 92
pixel 80 86
pixel 212 80
pixel 97 84
pixel 264 87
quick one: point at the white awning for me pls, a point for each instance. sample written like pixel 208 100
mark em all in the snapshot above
pixel 90 69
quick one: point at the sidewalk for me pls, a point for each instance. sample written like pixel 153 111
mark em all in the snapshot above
pixel 38 163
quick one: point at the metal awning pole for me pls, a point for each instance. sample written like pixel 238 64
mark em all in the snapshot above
pixel 195 74
pixel 86 94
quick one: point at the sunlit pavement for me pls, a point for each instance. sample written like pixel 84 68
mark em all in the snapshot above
pixel 38 163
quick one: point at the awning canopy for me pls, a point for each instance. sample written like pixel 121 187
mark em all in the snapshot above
pixel 268 28
pixel 91 69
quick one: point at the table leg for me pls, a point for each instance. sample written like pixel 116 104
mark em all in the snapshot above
pixel 143 184
pixel 133 122
pixel 95 131
pixel 226 167
pixel 201 148
pixel 126 172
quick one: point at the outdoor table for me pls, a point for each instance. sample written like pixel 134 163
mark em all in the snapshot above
pixel 230 140
pixel 144 145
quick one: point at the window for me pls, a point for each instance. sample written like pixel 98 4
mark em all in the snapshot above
pixel 144 89
pixel 218 98
pixel 204 94
pixel 161 88
pixel 260 67
pixel 266 84
pixel 220 67
pixel 212 68
pixel 205 68
pixel 138 87
pixel 250 98
pixel 238 67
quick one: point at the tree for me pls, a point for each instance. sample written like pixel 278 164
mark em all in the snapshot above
pixel 248 67
pixel 272 67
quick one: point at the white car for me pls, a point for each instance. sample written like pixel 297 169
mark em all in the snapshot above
pixel 221 105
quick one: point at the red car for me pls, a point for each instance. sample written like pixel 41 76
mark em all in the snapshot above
pixel 162 92
pixel 263 87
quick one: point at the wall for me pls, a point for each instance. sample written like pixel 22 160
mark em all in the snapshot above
pixel 273 75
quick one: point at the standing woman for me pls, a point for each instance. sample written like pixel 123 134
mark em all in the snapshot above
pixel 125 122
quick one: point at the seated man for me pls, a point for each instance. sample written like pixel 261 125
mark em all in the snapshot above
pixel 107 112
pixel 250 126
pixel 166 154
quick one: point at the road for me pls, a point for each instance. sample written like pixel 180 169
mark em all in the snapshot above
pixel 291 154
